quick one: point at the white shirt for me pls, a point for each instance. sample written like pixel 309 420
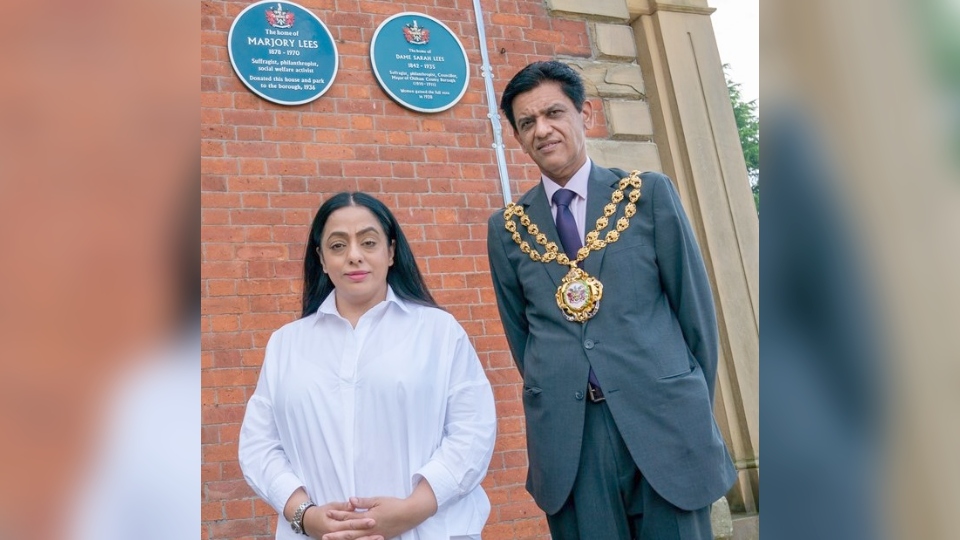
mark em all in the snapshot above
pixel 577 184
pixel 369 411
pixel 140 484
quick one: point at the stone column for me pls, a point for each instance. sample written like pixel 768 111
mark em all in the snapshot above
pixel 698 145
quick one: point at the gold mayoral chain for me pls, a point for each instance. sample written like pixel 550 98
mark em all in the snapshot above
pixel 579 294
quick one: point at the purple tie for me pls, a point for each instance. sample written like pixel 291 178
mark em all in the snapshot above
pixel 566 225
pixel 570 238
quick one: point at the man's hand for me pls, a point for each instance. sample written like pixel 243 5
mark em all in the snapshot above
pixel 319 522
pixel 392 516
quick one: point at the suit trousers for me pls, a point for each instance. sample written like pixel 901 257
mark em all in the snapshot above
pixel 611 500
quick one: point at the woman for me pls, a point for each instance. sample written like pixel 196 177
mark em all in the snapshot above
pixel 372 418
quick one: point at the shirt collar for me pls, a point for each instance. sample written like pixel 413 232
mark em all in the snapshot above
pixel 329 304
pixel 577 183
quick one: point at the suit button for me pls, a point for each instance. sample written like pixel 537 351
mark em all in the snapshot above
pixel 578 395
pixel 588 344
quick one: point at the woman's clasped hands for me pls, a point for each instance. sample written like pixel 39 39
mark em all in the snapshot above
pixel 372 518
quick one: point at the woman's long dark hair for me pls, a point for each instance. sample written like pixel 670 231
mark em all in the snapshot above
pixel 403 276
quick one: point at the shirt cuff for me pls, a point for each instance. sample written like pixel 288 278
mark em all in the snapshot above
pixel 444 485
pixel 281 489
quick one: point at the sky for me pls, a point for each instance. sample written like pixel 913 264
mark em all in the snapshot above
pixel 736 24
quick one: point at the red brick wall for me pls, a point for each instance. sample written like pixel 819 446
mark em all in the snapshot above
pixel 266 169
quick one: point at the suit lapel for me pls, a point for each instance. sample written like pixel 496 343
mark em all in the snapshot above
pixel 600 187
pixel 537 207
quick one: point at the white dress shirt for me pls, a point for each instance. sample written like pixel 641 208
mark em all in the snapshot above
pixel 577 184
pixel 369 411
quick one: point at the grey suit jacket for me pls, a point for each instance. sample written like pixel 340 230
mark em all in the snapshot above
pixel 652 345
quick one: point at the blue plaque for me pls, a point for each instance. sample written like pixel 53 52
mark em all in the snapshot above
pixel 282 52
pixel 419 62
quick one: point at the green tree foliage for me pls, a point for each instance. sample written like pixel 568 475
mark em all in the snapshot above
pixel 748 125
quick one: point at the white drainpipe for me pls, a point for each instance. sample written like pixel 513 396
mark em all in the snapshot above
pixel 492 112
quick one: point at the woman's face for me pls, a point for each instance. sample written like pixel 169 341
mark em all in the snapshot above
pixel 356 253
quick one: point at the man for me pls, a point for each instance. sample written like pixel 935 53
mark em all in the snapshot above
pixel 618 393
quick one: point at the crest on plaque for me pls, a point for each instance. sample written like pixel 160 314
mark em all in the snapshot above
pixel 417 35
pixel 278 18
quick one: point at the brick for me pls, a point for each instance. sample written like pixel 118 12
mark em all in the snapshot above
pixel 259 269
pixel 226 396
pixel 210 511
pixel 219 452
pixel 223 269
pixel 519 510
pixel 533 528
pixel 299 217
pixel 231 469
pixel 402 170
pixel 499 531
pixel 238 528
pixel 222 414
pixel 366 169
pixel 456 296
pixel 232 377
pixel 224 323
pixel 229 357
pixel 249 134
pixel 225 340
pixel 287 119
pixel 247 118
pixel 248 183
pixel 433 139
pixel 264 304
pixel 391 153
pixel 209 435
pixel 230 433
pixel 291 269
pixel 349 107
pixel 209 233
pixel 447 233
pixel 512 425
pixel 458 264
pixel 509 19
pixel 286 134
pixel 293 184
pixel 210 472
pixel 395 123
pixel 210 165
pixel 216 132
pixel 290 151
pixel 292 167
pixel 219 200
pixel 256 217
pixel 253 166
pixel 261 252
pixel 238 509
pixel 471 155
pixel 263 321
pixel 261 508
pixel 507 477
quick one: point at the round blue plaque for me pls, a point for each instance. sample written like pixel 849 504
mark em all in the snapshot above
pixel 282 52
pixel 419 62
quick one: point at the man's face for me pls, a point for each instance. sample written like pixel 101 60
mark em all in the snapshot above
pixel 551 130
